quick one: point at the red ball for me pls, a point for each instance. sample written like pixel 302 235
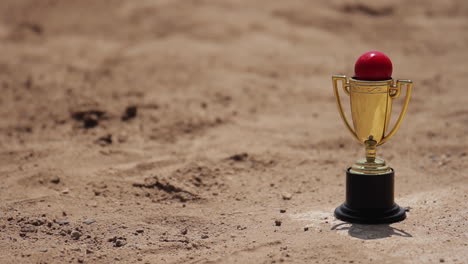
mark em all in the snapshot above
pixel 373 66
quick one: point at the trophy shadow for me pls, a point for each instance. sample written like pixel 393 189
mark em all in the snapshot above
pixel 370 232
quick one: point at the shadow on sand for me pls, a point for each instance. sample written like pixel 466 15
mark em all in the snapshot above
pixel 368 232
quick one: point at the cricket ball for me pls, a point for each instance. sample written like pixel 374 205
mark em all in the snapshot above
pixel 373 66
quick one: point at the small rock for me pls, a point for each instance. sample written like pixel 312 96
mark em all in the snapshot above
pixel 184 232
pixel 282 211
pixel 28 229
pixel 88 251
pixel 239 157
pixel 65 191
pixel 90 121
pixel 90 118
pixel 105 140
pixel 306 229
pixel 441 260
pixel 89 221
pixel 55 180
pixel 140 231
pixel 286 196
pixel 204 236
pixel 75 235
pixel 120 243
pixel 37 222
pixel 63 222
pixel 278 222
pixel 130 113
pixel 43 250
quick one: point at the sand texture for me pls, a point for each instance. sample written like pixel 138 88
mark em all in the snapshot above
pixel 206 131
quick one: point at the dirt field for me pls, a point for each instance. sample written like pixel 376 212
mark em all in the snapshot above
pixel 207 132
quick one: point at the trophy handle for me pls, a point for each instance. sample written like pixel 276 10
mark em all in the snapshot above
pixel 345 85
pixel 394 92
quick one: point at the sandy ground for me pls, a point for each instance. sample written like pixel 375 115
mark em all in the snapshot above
pixel 207 132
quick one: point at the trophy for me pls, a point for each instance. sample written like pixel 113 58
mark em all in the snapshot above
pixel 370 181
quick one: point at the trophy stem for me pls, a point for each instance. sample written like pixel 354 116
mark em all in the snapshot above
pixel 371 152
pixel 371 164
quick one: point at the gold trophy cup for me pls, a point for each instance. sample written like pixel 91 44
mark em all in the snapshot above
pixel 370 181
pixel 371 107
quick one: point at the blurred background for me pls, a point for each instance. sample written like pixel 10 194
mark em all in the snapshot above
pixel 210 116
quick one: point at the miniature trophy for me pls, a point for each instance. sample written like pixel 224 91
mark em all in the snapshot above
pixel 370 181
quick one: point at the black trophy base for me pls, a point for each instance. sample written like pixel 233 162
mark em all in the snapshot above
pixel 372 217
pixel 370 200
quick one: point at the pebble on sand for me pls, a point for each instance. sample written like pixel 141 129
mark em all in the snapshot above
pixel 63 222
pixel 55 180
pixel 89 221
pixel 75 235
pixel 286 196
